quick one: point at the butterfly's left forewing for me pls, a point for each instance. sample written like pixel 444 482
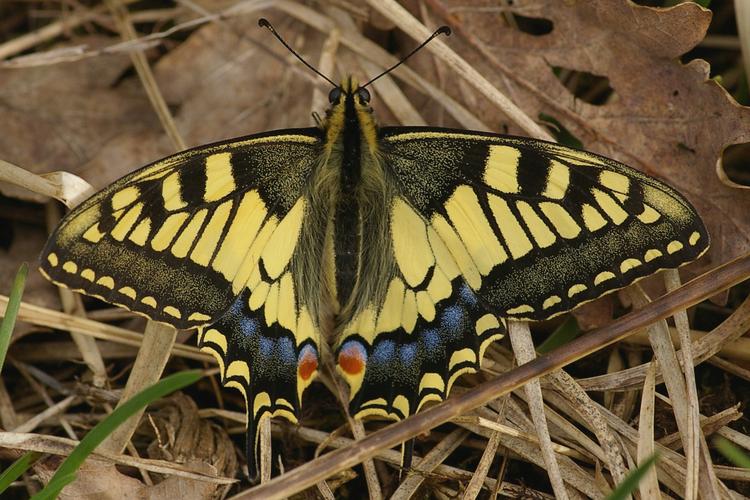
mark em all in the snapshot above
pixel 537 228
pixel 207 238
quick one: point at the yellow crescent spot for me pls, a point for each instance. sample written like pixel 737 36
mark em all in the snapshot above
pixel 551 301
pixel 172 311
pixel 652 254
pixel 602 277
pixel 674 246
pixel 52 259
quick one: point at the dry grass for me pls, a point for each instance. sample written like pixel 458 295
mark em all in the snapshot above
pixel 203 72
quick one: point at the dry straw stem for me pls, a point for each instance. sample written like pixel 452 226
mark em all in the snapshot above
pixel 488 456
pixel 737 350
pixel 371 477
pixel 742 13
pixel 695 435
pixel 567 386
pixel 404 20
pixel 523 348
pixel 649 487
pixel 51 31
pixel 63 446
pixel 705 347
pixel 700 476
pixel 428 463
pixel 68 188
pixel 441 471
pixel 484 426
pixel 709 425
pixel 42 316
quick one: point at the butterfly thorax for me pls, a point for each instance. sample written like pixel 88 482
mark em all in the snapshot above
pixel 348 209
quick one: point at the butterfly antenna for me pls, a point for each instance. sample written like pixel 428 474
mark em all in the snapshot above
pixel 264 23
pixel 443 30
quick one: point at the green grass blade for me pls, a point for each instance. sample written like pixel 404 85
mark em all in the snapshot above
pixel 561 336
pixel 731 452
pixel 66 473
pixel 17 468
pixel 630 483
pixel 561 134
pixel 14 304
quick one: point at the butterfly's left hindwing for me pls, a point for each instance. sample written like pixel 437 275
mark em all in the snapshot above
pixel 207 238
pixel 414 347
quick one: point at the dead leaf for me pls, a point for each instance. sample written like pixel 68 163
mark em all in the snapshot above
pixel 666 118
pixel 227 82
pixel 94 481
pixel 181 435
pixel 60 117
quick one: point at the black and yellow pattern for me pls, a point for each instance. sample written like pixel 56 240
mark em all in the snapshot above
pixel 411 245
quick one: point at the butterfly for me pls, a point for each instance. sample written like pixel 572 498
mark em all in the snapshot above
pixel 403 248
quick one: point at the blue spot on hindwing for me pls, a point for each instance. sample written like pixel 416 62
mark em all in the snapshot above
pixel 285 350
pixel 468 296
pixel 249 327
pixel 266 347
pixel 383 352
pixel 431 340
pixel 452 320
pixel 408 353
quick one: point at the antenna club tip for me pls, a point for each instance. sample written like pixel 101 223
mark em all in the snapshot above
pixel 444 30
pixel 263 23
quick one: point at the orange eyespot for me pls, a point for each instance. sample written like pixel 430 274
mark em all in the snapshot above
pixel 307 363
pixel 352 358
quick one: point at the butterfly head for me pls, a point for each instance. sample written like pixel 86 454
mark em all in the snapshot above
pixel 349 89
pixel 350 109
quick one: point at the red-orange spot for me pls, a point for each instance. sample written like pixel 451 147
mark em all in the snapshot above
pixel 308 364
pixel 351 359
